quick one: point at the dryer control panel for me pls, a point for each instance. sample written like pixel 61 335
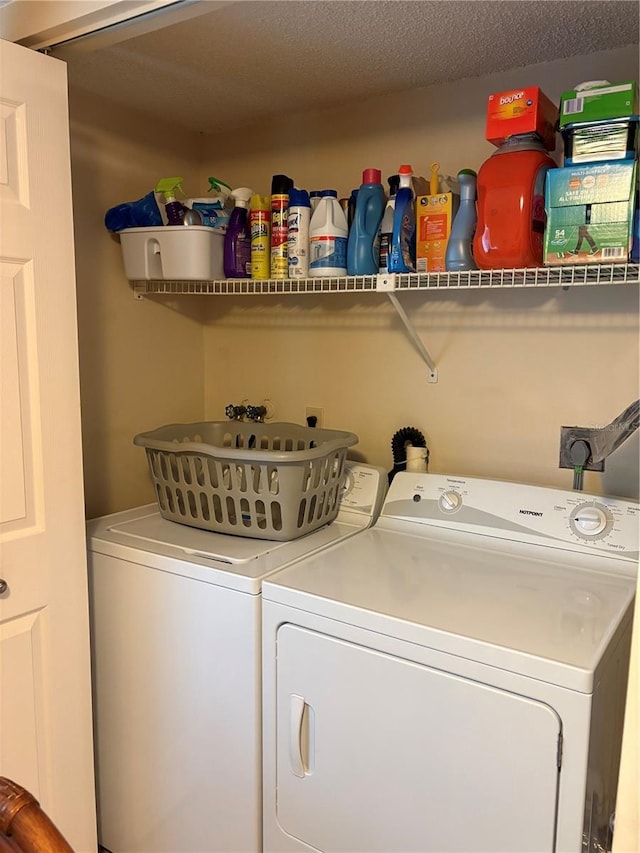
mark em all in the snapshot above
pixel 533 514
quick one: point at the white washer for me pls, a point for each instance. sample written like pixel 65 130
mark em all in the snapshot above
pixel 176 621
pixel 454 678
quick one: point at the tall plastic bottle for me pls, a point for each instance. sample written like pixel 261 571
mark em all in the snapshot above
pixel 363 246
pixel 260 229
pixel 511 216
pixel 351 207
pixel 280 187
pixel 299 220
pixel 237 240
pixel 459 252
pixel 328 234
pixel 386 225
pixel 402 254
pixel 174 208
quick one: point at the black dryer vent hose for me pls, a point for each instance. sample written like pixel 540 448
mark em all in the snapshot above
pixel 399 442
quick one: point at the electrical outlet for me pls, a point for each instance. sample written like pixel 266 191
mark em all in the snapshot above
pixel 568 435
pixel 316 412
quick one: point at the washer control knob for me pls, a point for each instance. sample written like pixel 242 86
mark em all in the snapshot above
pixel 450 501
pixel 591 521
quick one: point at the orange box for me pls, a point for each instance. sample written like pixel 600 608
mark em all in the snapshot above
pixel 521 111
pixel 434 214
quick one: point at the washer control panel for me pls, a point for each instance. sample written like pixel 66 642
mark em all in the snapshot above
pixel 554 517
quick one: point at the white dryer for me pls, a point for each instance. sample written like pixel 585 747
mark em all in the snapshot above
pixel 454 678
pixel 176 646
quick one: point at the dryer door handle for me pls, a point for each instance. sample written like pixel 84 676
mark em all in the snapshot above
pixel 297 738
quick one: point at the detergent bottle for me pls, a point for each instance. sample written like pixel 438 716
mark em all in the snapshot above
pixel 402 253
pixel 459 252
pixel 237 240
pixel 174 208
pixel 511 216
pixel 363 246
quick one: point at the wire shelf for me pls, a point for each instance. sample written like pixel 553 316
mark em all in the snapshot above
pixel 561 276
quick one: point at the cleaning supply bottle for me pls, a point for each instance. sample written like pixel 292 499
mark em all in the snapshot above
pixel 213 209
pixel 402 254
pixel 174 208
pixel 237 240
pixel 328 234
pixel 351 207
pixel 260 229
pixel 459 251
pixel 280 187
pixel 511 216
pixel 363 245
pixel 386 225
pixel 298 220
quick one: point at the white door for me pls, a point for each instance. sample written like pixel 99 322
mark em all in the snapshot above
pixel 377 753
pixel 45 692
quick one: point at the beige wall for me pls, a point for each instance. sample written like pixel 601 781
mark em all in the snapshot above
pixel 141 361
pixel 513 366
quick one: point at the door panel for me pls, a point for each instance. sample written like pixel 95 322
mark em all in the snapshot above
pixel 389 755
pixel 45 705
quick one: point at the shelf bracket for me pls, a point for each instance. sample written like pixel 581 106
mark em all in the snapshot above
pixel 386 284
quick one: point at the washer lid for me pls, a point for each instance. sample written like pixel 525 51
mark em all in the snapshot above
pixel 141 535
pixel 524 609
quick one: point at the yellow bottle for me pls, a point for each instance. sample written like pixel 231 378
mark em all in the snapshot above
pixel 260 225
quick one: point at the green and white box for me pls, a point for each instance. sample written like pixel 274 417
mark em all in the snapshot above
pixel 599 102
pixel 590 213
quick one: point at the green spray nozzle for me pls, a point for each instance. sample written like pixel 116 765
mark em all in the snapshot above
pixel 216 184
pixel 168 186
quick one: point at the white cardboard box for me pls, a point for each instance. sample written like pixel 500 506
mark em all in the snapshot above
pixel 173 252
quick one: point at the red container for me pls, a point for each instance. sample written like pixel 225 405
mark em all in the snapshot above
pixel 511 216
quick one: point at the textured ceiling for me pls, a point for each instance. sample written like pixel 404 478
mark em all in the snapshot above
pixel 253 58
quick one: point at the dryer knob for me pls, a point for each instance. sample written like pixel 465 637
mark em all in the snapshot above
pixel 450 501
pixel 591 521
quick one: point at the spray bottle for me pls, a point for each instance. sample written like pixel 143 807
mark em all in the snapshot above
pixel 237 240
pixel 298 219
pixel 280 186
pixel 260 228
pixel 402 252
pixel 173 207
pixel 213 209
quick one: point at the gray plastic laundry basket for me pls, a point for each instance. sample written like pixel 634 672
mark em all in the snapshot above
pixel 265 481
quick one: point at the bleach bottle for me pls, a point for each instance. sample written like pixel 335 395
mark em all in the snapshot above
pixel 363 247
pixel 459 252
pixel 237 240
pixel 328 234
pixel 402 252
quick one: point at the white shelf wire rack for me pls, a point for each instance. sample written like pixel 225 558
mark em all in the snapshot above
pixel 561 276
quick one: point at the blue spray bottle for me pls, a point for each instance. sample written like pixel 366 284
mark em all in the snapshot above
pixel 402 251
pixel 459 253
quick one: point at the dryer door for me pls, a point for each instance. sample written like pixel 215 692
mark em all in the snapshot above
pixel 378 753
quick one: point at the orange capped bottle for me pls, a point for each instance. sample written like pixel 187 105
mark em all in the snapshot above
pixel 511 216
